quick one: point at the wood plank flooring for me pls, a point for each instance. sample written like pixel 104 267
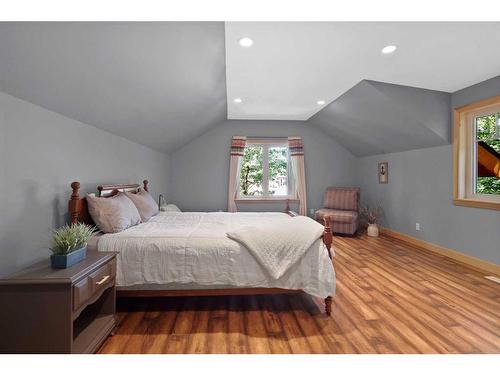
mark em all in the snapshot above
pixel 391 298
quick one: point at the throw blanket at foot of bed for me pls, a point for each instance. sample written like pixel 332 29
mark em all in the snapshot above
pixel 277 247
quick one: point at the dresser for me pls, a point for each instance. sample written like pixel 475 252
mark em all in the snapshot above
pixel 47 310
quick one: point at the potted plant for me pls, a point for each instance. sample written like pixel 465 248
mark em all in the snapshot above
pixel 69 244
pixel 371 215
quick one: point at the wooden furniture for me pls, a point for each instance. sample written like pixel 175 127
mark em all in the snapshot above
pixel 78 212
pixel 47 310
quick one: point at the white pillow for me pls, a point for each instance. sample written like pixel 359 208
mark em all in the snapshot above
pixel 172 208
pixel 145 204
pixel 113 214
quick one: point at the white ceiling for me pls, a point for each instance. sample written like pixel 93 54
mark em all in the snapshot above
pixel 292 65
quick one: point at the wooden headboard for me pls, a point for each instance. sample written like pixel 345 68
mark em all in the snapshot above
pixel 77 206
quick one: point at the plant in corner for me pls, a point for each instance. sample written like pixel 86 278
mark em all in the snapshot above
pixel 69 244
pixel 371 215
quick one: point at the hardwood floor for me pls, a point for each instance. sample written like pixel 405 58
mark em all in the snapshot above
pixel 391 298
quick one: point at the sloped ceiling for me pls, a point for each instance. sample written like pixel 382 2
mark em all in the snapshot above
pixel 158 84
pixel 376 117
pixel 163 84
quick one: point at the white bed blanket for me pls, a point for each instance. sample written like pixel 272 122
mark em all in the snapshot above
pixel 192 248
pixel 279 246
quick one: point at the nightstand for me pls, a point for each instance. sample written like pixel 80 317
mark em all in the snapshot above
pixel 47 310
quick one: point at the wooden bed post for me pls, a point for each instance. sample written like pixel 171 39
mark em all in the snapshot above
pixel 327 240
pixel 327 235
pixel 145 182
pixel 74 203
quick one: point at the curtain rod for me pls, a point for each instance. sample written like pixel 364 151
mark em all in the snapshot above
pixel 267 140
pixel 249 136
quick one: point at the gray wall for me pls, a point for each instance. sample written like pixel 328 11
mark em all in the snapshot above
pixel 376 117
pixel 420 190
pixel 41 153
pixel 199 170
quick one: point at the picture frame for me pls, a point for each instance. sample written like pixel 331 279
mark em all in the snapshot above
pixel 383 172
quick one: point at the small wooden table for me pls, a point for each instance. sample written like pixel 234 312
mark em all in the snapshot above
pixel 47 310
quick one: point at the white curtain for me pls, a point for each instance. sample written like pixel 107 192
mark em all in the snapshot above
pixel 296 150
pixel 237 152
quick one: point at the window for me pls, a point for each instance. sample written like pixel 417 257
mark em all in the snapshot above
pixel 487 153
pixel 477 154
pixel 265 170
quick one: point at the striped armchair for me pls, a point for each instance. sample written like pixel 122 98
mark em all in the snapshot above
pixel 342 205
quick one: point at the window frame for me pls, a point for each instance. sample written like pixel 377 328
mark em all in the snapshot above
pixel 465 153
pixel 266 144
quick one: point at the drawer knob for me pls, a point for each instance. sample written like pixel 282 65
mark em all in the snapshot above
pixel 103 280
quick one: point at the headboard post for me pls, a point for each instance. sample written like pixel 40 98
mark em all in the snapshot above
pixel 145 182
pixel 74 204
pixel 327 235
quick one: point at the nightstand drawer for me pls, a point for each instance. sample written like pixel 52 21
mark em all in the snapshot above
pixel 102 278
pixel 89 288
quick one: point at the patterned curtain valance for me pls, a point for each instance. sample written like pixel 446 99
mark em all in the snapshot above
pixel 299 173
pixel 295 146
pixel 237 152
pixel 238 146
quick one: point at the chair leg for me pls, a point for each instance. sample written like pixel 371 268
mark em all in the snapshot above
pixel 328 305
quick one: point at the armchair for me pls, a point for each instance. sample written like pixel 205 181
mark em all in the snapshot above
pixel 342 205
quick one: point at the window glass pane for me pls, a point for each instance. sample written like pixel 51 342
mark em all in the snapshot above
pixel 251 171
pixel 487 154
pixel 278 176
pixel 486 127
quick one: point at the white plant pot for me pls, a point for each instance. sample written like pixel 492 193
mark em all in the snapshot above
pixel 372 230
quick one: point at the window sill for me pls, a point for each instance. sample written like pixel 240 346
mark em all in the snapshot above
pixel 265 200
pixel 477 203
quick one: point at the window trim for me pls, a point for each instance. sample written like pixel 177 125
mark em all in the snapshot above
pixel 266 143
pixel 463 191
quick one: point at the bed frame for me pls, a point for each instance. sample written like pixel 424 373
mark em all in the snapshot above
pixel 78 211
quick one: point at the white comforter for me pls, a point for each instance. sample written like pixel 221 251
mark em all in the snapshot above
pixel 279 246
pixel 191 249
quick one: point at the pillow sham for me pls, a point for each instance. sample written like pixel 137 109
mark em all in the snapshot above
pixel 113 214
pixel 145 204
pixel 172 208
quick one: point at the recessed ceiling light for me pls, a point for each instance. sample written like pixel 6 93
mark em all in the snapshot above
pixel 246 42
pixel 320 102
pixel 237 100
pixel 389 49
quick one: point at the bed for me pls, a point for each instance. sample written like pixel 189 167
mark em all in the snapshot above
pixel 189 254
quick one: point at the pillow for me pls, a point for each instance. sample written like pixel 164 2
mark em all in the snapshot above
pixel 172 208
pixel 113 214
pixel 145 204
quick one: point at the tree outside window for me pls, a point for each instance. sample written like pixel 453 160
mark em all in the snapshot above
pixel 487 134
pixel 264 171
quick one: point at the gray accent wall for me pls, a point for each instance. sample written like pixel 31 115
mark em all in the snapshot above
pixel 199 170
pixel 41 153
pixel 420 190
pixel 376 117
